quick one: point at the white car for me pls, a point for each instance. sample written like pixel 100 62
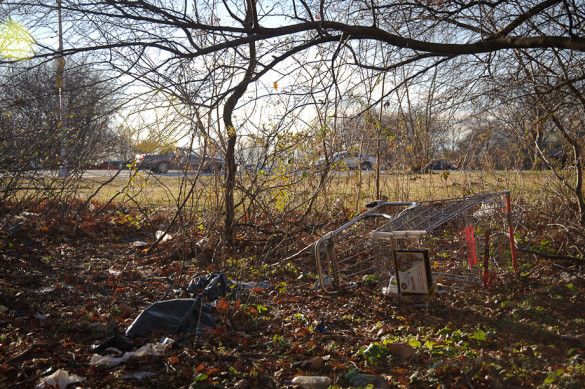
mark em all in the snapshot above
pixel 350 160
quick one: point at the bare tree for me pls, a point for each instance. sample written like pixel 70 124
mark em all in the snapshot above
pixel 227 48
pixel 29 108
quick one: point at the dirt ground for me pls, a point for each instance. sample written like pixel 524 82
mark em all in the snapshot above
pixel 66 284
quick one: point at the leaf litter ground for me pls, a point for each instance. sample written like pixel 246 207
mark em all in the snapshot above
pixel 68 284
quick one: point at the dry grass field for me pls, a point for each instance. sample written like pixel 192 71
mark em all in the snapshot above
pixel 164 190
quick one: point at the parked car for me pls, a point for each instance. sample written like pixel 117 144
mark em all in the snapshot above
pixel 350 160
pixel 179 159
pixel 110 164
pixel 266 167
pixel 438 164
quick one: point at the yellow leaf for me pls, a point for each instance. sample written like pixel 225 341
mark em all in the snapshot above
pixel 275 85
pixel 16 42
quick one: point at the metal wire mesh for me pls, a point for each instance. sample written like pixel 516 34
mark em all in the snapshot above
pixel 467 238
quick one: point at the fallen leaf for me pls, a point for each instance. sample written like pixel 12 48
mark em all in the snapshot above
pixel 222 305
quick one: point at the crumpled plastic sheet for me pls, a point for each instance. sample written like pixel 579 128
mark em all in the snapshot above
pixel 59 379
pixel 213 285
pixel 183 315
pixel 117 342
pixel 189 315
pixel 176 316
pixel 148 349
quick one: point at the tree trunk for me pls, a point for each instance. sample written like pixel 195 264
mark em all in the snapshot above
pixel 230 182
pixel 232 135
pixel 578 187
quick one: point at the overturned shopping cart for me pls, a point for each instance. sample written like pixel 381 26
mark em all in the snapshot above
pixel 469 238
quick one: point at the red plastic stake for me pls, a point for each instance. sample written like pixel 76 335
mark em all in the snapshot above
pixel 471 251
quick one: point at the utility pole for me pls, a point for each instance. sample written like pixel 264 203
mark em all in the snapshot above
pixel 63 169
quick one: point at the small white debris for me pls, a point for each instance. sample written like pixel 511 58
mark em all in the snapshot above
pixel 148 349
pixel 114 272
pixel 160 234
pixel 59 379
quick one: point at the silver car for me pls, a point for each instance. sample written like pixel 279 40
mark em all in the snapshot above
pixel 350 160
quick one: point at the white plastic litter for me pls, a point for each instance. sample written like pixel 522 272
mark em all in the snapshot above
pixel 148 349
pixel 139 243
pixel 59 379
pixel 392 287
pixel 160 233
pixel 114 272
pixel 312 382
pixel 46 289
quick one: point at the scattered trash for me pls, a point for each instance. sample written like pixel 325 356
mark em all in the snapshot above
pixel 312 382
pixel 175 316
pixel 392 287
pixel 59 379
pixel 188 315
pixel 114 272
pixel 202 243
pixel 413 271
pixel 148 349
pixel 356 379
pixel 117 342
pixel 139 243
pixel 46 289
pixel 139 375
pixel 213 285
pixel 183 315
pixel 364 244
pixel 165 236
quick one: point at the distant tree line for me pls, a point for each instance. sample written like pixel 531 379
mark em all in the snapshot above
pixel 30 135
